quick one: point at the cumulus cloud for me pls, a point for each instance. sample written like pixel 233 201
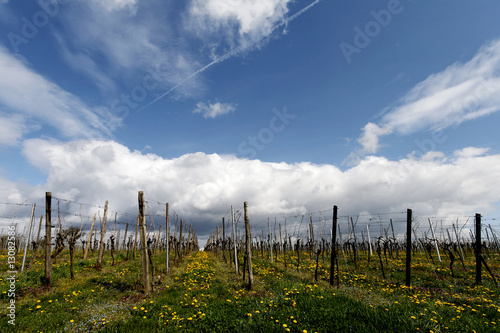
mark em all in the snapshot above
pixel 25 93
pixel 461 92
pixel 209 110
pixel 241 22
pixel 201 187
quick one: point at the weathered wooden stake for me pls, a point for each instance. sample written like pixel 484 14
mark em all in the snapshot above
pixel 408 246
pixel 179 242
pixel 248 240
pixel 125 236
pixel 281 245
pixel 224 240
pixel 48 238
pixel 234 241
pixel 369 240
pixel 90 238
pixel 270 238
pixel 333 258
pixel 29 235
pixel 167 231
pixel 144 250
pixel 477 248
pixel 35 248
pixel 103 233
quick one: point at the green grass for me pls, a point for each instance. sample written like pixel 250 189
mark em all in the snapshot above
pixel 202 294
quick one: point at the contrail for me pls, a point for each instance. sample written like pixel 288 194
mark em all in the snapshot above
pixel 230 54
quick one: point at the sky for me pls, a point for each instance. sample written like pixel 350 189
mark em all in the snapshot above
pixel 293 106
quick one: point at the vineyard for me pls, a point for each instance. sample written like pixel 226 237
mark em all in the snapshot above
pixel 390 272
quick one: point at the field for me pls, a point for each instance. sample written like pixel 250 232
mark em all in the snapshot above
pixel 202 293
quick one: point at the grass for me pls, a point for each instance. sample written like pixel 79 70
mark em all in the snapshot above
pixel 203 294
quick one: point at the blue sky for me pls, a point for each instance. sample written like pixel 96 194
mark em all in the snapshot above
pixel 344 97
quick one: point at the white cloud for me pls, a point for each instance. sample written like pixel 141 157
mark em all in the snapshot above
pixel 462 92
pixel 371 137
pixel 210 110
pixel 201 187
pixel 241 22
pixel 12 128
pixel 26 93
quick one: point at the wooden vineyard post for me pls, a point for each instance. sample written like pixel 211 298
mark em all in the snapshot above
pixel 224 240
pixel 35 249
pixel 48 238
pixel 157 242
pixel 103 233
pixel 408 246
pixel 216 240
pixel 39 230
pixel 190 234
pixel 333 259
pixel 29 236
pixel 248 239
pixel 369 240
pixel 477 248
pixel 125 237
pixel 90 238
pixel 179 242
pixel 270 238
pixel 281 245
pixel 167 232
pixel 234 241
pixel 144 250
